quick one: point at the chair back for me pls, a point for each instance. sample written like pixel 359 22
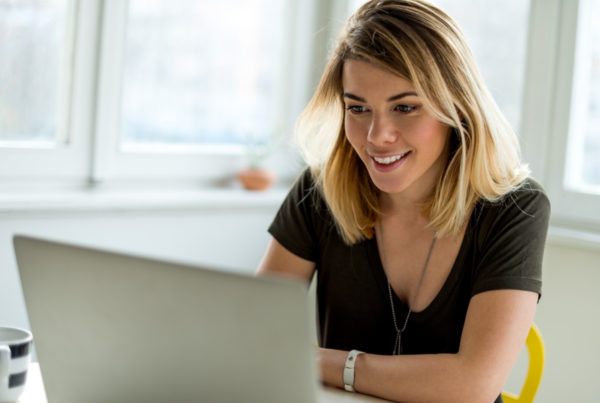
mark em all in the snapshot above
pixel 535 347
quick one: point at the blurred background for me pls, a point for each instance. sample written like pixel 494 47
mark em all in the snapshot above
pixel 123 125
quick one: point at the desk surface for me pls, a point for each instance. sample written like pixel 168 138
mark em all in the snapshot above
pixel 34 392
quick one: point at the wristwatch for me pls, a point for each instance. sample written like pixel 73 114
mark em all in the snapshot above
pixel 349 370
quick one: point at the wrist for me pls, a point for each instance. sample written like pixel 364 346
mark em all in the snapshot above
pixel 331 366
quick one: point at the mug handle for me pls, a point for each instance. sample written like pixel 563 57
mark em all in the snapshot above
pixel 4 361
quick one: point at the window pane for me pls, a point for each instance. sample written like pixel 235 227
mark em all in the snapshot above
pixel 32 48
pixel 583 160
pixel 497 33
pixel 202 71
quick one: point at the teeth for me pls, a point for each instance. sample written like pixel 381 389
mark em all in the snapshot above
pixel 389 160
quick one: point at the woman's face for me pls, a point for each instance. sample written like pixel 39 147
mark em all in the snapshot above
pixel 401 144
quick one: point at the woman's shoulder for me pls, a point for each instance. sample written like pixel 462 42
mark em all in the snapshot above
pixel 528 193
pixel 530 186
pixel 528 201
pixel 304 186
pixel 305 193
pixel 306 180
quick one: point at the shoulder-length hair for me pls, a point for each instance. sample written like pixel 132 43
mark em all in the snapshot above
pixel 417 41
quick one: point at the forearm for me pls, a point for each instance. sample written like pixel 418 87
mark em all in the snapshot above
pixel 495 329
pixel 412 378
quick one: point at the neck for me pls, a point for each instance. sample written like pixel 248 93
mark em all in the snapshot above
pixel 408 204
pixel 404 226
pixel 399 204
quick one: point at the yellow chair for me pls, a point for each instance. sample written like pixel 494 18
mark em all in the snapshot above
pixel 535 347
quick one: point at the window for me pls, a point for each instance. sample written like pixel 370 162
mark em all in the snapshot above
pixel 561 109
pixel 125 90
pixel 184 87
pixel 202 72
pixel 34 49
pixel 42 78
pixel 582 171
pixel 497 34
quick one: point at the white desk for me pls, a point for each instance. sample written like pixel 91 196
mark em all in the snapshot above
pixel 34 392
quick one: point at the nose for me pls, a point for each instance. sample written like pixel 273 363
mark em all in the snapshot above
pixel 382 130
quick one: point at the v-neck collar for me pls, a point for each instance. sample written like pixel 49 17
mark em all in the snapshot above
pixel 452 279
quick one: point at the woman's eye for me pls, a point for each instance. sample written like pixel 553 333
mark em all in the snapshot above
pixel 356 109
pixel 406 108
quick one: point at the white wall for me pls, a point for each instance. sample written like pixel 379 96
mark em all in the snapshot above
pixel 235 237
pixel 568 317
pixel 568 320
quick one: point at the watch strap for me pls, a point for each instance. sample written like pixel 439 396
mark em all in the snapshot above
pixel 349 370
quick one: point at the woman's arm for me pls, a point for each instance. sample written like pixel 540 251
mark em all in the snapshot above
pixel 280 261
pixel 494 333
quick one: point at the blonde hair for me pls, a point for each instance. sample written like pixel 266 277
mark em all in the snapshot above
pixel 415 40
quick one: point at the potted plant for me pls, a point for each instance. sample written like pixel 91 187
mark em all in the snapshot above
pixel 256 176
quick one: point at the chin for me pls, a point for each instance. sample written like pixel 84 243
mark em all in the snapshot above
pixel 388 185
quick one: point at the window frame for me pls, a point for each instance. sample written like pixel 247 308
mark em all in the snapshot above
pixel 202 162
pixel 67 159
pixel 90 117
pixel 548 111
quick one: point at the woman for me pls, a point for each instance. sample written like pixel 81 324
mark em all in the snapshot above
pixel 416 213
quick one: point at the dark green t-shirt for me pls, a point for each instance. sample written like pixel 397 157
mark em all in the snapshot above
pixel 502 249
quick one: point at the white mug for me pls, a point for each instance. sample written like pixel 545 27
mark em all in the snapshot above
pixel 15 352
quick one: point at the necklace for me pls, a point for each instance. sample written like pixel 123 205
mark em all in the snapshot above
pixel 398 342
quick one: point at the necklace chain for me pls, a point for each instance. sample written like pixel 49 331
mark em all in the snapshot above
pixel 398 342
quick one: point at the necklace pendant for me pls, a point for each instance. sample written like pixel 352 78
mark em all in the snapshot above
pixel 398 344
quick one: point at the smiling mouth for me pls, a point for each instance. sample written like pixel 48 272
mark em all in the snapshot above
pixel 390 160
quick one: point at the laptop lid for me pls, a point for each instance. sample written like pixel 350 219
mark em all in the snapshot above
pixel 110 327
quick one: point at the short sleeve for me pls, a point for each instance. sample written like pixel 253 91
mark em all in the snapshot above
pixel 294 224
pixel 511 241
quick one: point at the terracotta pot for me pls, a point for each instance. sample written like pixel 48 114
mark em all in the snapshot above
pixel 256 179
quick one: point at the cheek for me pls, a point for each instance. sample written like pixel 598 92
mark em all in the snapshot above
pixel 433 134
pixel 354 134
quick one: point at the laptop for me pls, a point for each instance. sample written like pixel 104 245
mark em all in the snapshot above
pixel 111 327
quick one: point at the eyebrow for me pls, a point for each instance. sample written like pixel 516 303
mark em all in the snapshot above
pixel 390 99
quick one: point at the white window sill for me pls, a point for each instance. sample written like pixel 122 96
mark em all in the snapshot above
pixel 103 200
pixel 91 199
